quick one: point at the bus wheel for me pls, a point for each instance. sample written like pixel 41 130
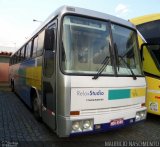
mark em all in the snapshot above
pixel 12 86
pixel 36 108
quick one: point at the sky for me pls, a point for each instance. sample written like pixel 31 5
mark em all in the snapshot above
pixel 16 16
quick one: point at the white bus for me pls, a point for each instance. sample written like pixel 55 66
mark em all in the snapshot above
pixel 80 72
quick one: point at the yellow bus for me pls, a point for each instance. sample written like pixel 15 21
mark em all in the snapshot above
pixel 149 27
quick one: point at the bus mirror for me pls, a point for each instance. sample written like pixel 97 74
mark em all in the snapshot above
pixel 49 40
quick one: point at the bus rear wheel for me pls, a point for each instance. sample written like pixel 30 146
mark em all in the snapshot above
pixel 36 108
pixel 12 86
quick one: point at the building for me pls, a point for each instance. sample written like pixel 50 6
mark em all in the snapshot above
pixel 4 65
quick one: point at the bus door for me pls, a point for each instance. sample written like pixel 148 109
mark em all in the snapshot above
pixel 48 77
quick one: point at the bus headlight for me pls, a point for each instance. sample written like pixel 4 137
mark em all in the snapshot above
pixel 87 125
pixel 138 118
pixel 143 114
pixel 140 115
pixel 82 125
pixel 76 126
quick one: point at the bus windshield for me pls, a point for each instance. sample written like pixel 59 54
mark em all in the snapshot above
pixel 155 52
pixel 125 44
pixel 150 31
pixel 86 43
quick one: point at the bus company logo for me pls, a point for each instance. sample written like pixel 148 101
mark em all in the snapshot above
pixel 90 93
pixel 153 106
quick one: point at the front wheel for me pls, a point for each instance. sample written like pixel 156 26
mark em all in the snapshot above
pixel 36 108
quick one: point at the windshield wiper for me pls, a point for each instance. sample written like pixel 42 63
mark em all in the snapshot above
pixel 101 69
pixel 134 76
pixel 122 58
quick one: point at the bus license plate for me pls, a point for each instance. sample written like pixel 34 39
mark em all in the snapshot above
pixel 116 122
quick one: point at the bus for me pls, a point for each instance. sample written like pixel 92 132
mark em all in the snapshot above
pixel 80 72
pixel 149 27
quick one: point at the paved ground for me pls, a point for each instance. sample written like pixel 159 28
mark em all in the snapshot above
pixel 17 121
pixel 18 126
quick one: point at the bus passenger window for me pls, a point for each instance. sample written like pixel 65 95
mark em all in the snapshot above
pixel 49 39
pixel 19 56
pixel 40 43
pixel 22 54
pixel 35 45
pixel 28 50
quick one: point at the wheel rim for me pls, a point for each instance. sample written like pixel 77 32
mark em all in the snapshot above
pixel 35 107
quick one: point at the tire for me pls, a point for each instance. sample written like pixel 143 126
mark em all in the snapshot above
pixel 12 86
pixel 36 108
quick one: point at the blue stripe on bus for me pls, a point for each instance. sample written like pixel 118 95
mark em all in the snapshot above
pixel 29 63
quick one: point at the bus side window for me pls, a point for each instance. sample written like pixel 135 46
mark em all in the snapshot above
pixel 28 49
pixel 40 43
pixel 35 45
pixel 22 54
pixel 49 39
pixel 19 56
pixel 49 56
pixel 13 59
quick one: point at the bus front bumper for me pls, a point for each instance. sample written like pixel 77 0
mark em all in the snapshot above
pixel 77 125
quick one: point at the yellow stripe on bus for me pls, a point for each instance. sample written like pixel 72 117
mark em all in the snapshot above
pixel 138 92
pixel 33 76
pixel 153 83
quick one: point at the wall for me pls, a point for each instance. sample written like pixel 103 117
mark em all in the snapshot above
pixel 4 68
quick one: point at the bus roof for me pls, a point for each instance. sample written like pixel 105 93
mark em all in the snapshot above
pixel 81 11
pixel 145 18
pixel 86 12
